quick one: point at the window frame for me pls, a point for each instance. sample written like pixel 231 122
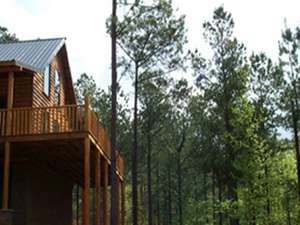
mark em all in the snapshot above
pixel 57 84
pixel 47 82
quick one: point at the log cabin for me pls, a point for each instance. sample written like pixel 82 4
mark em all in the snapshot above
pixel 50 147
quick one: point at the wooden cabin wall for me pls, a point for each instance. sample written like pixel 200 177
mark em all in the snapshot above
pixel 70 98
pixel 40 99
pixel 22 89
pixel 3 87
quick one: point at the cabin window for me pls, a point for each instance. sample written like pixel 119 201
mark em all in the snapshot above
pixel 47 80
pixel 57 88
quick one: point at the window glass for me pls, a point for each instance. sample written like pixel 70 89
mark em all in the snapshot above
pixel 47 80
pixel 57 88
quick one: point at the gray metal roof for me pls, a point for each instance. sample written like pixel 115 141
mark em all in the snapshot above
pixel 33 54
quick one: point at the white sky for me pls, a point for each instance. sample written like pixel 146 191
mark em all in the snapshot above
pixel 258 25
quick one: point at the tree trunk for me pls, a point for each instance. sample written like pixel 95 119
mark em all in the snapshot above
pixel 149 175
pixel 213 197
pixel 142 203
pixel 158 196
pixel 169 197
pixel 220 191
pixel 296 140
pixel 288 211
pixel 268 206
pixel 114 216
pixel 135 153
pixel 232 195
pixel 252 206
pixel 205 193
pixel 179 175
pixel 165 209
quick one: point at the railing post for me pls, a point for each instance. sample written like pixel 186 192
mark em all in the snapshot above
pixel 10 101
pixel 6 170
pixel 7 148
pixel 87 115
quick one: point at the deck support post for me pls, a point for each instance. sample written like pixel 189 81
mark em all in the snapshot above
pixel 97 188
pixel 7 145
pixel 86 183
pixel 105 194
pixel 10 102
pixel 6 168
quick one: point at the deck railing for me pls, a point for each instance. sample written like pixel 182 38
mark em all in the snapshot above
pixel 3 119
pixel 102 136
pixel 100 133
pixel 42 120
pixel 54 120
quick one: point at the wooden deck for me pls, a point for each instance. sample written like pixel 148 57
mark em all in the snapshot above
pixel 60 125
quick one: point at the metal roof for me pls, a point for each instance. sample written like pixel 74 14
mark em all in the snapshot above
pixel 33 54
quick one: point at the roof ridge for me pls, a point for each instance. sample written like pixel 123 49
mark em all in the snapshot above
pixel 33 40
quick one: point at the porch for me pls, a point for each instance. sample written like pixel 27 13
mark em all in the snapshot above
pixel 67 140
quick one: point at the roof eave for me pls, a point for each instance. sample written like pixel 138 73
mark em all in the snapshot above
pixel 54 53
pixel 15 64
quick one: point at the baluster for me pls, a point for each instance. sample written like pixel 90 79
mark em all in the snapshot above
pixel 77 116
pixel 31 113
pixel 19 118
pixel 25 121
pixel 1 123
pixel 69 117
pixel 21 122
pixel 53 116
pixel 65 108
pixel 74 110
pixel 63 120
pixel 40 121
pixel 4 123
pixel 13 124
pixel 61 112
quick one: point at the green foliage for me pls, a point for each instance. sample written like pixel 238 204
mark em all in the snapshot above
pixel 101 104
pixel 289 81
pixel 100 100
pixel 235 120
pixel 5 36
pixel 150 35
pixel 209 154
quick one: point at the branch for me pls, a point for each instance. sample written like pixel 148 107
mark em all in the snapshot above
pixel 126 52
pixel 145 43
pixel 181 145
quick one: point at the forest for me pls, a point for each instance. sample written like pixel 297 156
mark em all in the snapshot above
pixel 207 148
pixel 217 146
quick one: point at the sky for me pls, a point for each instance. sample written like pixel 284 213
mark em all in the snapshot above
pixel 82 22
